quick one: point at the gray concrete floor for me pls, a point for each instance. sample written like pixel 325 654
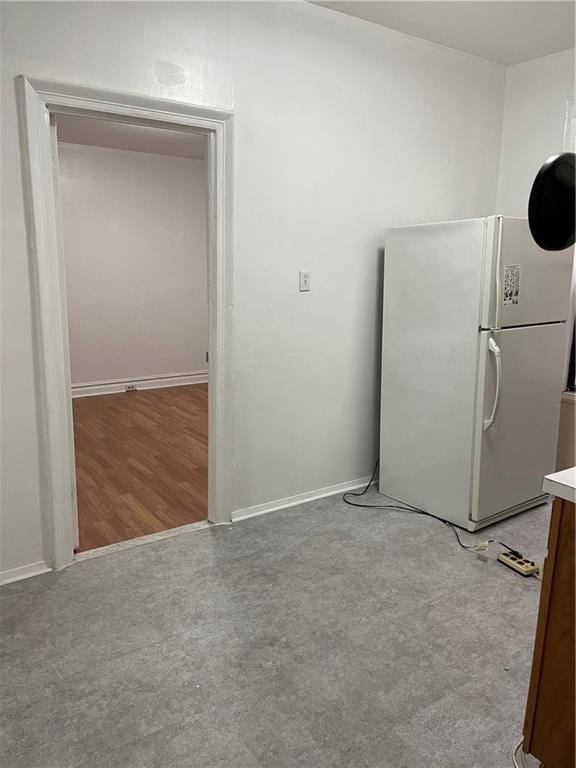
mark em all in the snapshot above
pixel 321 636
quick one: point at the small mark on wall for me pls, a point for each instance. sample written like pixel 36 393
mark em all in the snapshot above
pixel 169 74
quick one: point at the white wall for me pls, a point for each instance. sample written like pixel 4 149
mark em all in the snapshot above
pixel 533 126
pixel 342 128
pixel 134 227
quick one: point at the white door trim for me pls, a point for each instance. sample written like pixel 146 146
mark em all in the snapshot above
pixel 39 100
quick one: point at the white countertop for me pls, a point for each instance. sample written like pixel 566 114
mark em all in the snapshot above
pixel 562 484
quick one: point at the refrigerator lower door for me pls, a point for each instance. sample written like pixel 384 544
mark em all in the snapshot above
pixel 517 416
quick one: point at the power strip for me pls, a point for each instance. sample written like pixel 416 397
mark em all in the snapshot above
pixel 519 563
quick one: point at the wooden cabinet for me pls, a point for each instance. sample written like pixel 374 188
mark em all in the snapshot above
pixel 549 722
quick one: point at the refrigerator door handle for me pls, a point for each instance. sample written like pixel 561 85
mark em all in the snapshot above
pixel 495 350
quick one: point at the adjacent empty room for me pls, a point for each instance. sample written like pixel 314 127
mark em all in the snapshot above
pixel 134 231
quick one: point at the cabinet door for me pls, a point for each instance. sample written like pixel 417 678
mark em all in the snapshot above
pixel 549 723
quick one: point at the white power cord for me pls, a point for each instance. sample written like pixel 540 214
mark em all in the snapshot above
pixel 517 752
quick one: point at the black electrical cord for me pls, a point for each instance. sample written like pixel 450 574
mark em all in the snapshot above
pixel 415 510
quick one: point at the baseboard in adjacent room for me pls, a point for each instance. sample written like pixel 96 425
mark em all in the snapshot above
pixel 114 386
pixel 23 572
pixel 299 498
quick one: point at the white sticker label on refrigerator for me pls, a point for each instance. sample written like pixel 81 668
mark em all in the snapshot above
pixel 512 284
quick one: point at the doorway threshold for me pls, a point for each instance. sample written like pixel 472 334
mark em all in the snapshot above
pixel 150 538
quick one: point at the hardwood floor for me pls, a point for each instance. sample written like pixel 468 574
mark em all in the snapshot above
pixel 141 462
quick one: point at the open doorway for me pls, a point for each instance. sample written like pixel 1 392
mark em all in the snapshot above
pixel 40 102
pixel 133 202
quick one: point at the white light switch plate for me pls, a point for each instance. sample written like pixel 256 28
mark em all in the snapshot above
pixel 304 280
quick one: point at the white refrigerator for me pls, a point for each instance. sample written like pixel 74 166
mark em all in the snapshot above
pixel 473 350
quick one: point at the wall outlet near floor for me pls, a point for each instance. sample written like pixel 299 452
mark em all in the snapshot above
pixel 130 387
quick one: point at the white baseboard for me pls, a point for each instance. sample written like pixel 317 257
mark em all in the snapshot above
pixel 113 386
pixel 35 569
pixel 299 498
pixel 24 572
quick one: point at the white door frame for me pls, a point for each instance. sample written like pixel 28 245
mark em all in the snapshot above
pixel 39 100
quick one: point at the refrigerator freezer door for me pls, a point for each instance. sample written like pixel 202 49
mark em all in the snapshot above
pixel 524 285
pixel 514 452
pixel 432 288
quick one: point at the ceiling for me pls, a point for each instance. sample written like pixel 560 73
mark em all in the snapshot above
pixel 507 31
pixel 138 138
